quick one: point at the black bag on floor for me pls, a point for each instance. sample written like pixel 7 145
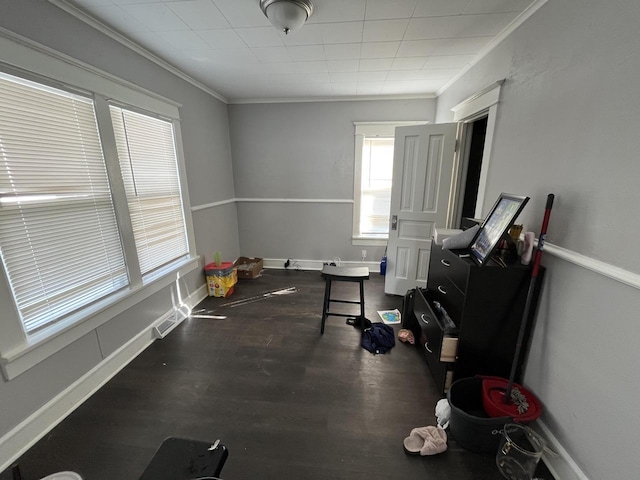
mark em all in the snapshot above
pixel 409 320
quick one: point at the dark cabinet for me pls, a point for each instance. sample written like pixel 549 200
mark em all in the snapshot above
pixel 468 318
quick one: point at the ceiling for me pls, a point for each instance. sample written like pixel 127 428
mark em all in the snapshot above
pixel 347 49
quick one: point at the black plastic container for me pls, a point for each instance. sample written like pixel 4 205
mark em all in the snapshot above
pixel 469 425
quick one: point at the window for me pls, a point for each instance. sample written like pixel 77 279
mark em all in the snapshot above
pixel 58 236
pixel 373 180
pixel 375 186
pixel 146 149
pixel 61 230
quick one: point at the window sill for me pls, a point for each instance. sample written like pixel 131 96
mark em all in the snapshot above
pixel 41 345
pixel 369 241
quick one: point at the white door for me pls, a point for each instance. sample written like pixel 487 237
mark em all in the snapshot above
pixel 422 171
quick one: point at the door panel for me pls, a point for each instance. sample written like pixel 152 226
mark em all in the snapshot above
pixel 422 171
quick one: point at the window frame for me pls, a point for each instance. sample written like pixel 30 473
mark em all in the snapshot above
pixel 30 60
pixel 33 226
pixel 367 130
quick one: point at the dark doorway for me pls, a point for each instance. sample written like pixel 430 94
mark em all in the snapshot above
pixel 474 165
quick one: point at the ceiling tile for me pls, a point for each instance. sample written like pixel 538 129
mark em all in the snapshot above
pixel 320 77
pixel 342 51
pixel 496 6
pixel 328 11
pixel 118 19
pixel 417 48
pixel 345 89
pixel 242 13
pixel 342 77
pixel 384 9
pixel 448 61
pixel 407 75
pixel 184 40
pixel 233 56
pixel 345 32
pixel 310 67
pixel 343 65
pixel 379 49
pixel 461 46
pixel 199 14
pixel 439 8
pixel 373 76
pixel 408 63
pixel 375 64
pixel 348 47
pixel 271 54
pixel 223 38
pixel 384 30
pixel 260 36
pixel 369 88
pixel 299 53
pixel 156 16
pixel 458 26
pixel 409 87
pixel 93 3
pixel 308 35
pixel 440 73
pixel 129 2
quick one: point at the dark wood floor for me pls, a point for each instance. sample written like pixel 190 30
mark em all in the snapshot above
pixel 286 401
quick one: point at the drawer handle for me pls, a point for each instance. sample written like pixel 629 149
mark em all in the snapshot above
pixel 444 262
pixel 442 290
pixel 426 347
pixel 424 319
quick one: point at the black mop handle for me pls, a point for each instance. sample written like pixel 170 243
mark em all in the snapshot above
pixel 527 305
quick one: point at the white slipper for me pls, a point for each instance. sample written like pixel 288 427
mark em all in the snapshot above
pixel 425 441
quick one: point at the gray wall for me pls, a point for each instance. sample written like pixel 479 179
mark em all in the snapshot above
pixel 209 174
pixel 568 124
pixel 304 151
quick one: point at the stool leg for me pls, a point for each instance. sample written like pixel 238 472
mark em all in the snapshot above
pixel 325 305
pixel 362 299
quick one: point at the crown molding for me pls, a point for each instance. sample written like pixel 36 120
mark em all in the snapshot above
pixel 123 40
pixel 350 98
pixel 509 29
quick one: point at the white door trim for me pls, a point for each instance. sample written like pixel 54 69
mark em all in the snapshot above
pixel 484 102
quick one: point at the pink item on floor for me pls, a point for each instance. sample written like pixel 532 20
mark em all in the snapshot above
pixel 405 335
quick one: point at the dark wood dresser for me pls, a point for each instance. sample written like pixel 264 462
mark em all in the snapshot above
pixel 468 318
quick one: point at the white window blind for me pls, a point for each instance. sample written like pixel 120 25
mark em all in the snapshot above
pixel 59 240
pixel 146 149
pixel 375 194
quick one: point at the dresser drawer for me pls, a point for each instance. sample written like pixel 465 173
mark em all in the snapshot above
pixel 446 264
pixel 439 349
pixel 444 291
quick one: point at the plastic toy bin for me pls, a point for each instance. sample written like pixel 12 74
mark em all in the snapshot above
pixel 220 279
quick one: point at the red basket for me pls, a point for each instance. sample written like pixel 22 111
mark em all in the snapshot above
pixel 493 401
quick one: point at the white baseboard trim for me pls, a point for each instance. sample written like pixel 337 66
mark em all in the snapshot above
pixel 24 435
pixel 297 264
pixel 199 295
pixel 561 466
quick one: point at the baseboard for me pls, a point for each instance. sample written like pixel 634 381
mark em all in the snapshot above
pixel 559 463
pixel 199 295
pixel 297 264
pixel 24 435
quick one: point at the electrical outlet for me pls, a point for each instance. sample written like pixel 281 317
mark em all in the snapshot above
pixel 364 255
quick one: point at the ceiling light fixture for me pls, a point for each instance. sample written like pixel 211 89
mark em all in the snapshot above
pixel 287 15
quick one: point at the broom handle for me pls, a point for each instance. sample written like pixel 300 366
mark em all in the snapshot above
pixel 527 305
